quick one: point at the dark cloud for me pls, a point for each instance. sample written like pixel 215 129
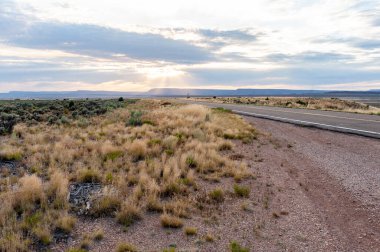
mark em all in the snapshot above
pixel 369 44
pixel 363 43
pixel 238 35
pixel 97 41
pixel 311 57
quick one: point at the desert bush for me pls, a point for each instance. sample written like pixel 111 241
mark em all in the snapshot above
pixel 52 112
pixel 235 247
pixel 7 122
pixel 135 119
pixel 242 191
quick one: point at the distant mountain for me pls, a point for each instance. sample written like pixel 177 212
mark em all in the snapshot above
pixel 173 92
pixel 66 94
pixel 226 92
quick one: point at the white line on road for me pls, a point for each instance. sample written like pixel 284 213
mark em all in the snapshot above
pixel 308 123
pixel 341 117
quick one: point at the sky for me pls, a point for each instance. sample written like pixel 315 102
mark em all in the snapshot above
pixel 124 45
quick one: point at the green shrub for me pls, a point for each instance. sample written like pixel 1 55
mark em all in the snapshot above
pixel 217 195
pixel 235 247
pixel 113 155
pixel 135 119
pixel 242 191
pixel 190 161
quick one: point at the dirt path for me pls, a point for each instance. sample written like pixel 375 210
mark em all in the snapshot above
pixel 340 177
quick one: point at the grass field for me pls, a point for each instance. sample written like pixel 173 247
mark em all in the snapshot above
pixel 136 157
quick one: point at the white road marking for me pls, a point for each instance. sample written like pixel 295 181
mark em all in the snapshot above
pixel 310 123
pixel 341 117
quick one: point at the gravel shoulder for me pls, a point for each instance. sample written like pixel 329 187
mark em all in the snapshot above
pixel 314 190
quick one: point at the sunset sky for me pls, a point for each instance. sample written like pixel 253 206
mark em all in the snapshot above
pixel 124 45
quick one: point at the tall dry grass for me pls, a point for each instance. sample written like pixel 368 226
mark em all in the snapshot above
pixel 153 167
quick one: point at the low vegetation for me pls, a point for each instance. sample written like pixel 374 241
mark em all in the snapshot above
pixel 241 191
pixel 235 247
pixel 154 160
pixel 333 104
pixel 61 112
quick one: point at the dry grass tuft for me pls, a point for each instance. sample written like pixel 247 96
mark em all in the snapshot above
pixel 88 176
pixel 128 214
pixel 191 230
pixel 66 223
pixel 10 153
pixel 170 221
pixel 217 195
pixel 98 235
pixel 137 150
pixel 30 190
pixel 126 247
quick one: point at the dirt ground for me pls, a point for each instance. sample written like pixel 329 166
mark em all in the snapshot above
pixel 314 191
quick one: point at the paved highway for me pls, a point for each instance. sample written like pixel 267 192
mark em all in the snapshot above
pixel 360 124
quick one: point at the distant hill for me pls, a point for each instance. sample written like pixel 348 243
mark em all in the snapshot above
pixel 177 92
pixel 226 92
pixel 66 94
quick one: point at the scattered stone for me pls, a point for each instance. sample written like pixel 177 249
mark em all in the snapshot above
pixel 8 167
pixel 80 196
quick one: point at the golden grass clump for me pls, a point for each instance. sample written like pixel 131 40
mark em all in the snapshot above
pixel 170 221
pixel 66 223
pixel 126 247
pixel 191 230
pixel 128 214
pixel 10 153
pixel 58 189
pixel 30 190
pixel 137 149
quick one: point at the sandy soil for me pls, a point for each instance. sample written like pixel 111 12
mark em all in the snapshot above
pixel 314 191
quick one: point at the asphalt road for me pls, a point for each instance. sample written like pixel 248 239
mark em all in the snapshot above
pixel 360 124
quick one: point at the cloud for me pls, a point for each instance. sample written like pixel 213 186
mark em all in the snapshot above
pixel 362 43
pixel 296 75
pixel 97 41
pixel 369 44
pixel 309 57
pixel 48 71
pixel 238 35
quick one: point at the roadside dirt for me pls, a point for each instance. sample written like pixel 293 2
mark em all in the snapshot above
pixel 314 191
